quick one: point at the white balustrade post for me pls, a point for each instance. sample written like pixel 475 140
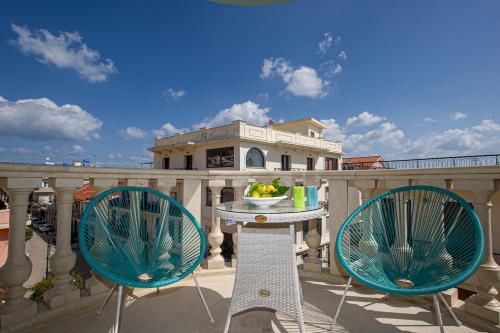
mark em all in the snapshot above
pixel 485 303
pixel 17 269
pixel 313 241
pixel 215 237
pixel 64 259
pixel 93 284
pixel 338 208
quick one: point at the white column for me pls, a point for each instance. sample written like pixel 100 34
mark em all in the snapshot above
pixel 485 303
pixel 215 237
pixel 93 284
pixel 338 208
pixel 64 259
pixel 17 269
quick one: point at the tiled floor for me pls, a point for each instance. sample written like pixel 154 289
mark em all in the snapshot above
pixel 179 309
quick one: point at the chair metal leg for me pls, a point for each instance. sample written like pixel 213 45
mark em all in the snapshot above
pixel 203 299
pixel 348 284
pixel 228 322
pixel 438 312
pixel 119 310
pixel 450 311
pixel 110 293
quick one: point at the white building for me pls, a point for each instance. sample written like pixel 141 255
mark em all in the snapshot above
pixel 296 145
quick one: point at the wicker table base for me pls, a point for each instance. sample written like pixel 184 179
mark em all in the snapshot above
pixel 266 274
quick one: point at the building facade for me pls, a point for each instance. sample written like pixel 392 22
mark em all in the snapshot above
pixel 296 145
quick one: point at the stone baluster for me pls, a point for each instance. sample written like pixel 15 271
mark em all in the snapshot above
pixel 367 240
pixel 93 284
pixel 313 241
pixel 17 269
pixel 238 194
pixel 485 303
pixel 139 182
pixel 215 237
pixel 64 259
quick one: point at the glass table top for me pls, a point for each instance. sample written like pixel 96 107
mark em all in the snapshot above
pixel 282 207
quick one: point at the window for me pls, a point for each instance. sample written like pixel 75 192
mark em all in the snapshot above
pixel 220 157
pixel 188 162
pixel 331 163
pixel 312 134
pixel 286 163
pixel 310 163
pixel 166 163
pixel 255 158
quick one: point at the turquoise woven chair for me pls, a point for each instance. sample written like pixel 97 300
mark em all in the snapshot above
pixel 410 241
pixel 139 237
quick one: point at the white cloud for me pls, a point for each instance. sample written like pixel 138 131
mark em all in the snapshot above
pixel 168 129
pixel 132 133
pixel 22 151
pixel 429 120
pixel 248 111
pixel 174 95
pixel 386 135
pixel 333 130
pixel 65 51
pixel 331 68
pixel 302 81
pixel 364 119
pixel 482 138
pixel 458 115
pixel 42 119
pixel 77 150
pixel 115 156
pixel 3 150
pixel 342 55
pixel 326 43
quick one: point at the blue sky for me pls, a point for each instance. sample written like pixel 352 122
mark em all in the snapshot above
pixel 101 78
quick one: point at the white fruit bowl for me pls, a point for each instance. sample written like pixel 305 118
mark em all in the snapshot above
pixel 264 202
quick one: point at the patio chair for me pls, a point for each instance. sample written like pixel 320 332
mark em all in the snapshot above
pixel 139 237
pixel 411 241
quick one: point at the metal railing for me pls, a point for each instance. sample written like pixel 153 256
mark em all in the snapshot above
pixel 426 163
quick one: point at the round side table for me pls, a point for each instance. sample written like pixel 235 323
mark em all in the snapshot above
pixel 266 273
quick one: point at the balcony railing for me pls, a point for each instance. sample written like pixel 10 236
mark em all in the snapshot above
pixel 345 191
pixel 427 163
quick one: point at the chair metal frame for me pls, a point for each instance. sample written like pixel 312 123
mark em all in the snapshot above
pixel 436 290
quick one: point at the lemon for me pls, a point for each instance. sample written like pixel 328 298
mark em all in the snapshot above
pixel 270 189
pixel 261 188
pixel 255 194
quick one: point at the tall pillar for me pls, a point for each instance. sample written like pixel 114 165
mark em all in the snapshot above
pixel 166 186
pixel 338 208
pixel 64 259
pixel 17 269
pixel 215 237
pixel 485 303
pixel 93 284
pixel 367 240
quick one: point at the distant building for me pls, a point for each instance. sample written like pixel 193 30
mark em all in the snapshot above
pixel 363 163
pixel 292 145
